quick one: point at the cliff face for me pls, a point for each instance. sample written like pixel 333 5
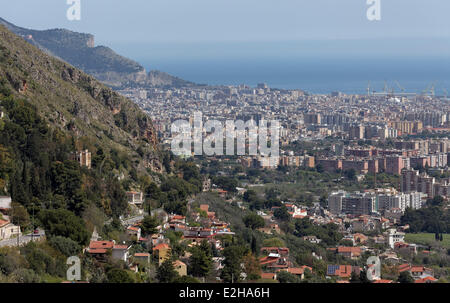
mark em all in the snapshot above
pixel 103 63
pixel 74 101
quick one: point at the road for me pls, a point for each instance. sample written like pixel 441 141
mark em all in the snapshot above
pixel 22 240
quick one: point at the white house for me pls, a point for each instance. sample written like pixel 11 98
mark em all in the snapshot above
pixel 8 230
pixel 5 202
pixel 120 252
pixel 136 198
pixel 394 236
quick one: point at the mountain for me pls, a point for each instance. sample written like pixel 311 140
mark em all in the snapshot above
pixel 76 103
pixel 103 63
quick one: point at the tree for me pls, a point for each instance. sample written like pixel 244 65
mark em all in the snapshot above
pixel 282 213
pixel 200 263
pixel 66 246
pixel 354 278
pixel 20 215
pixel 405 277
pixel 253 221
pixel 252 267
pixel 149 224
pixel 166 272
pixel 64 223
pixel 273 242
pixel 231 273
pixel 253 199
pixel 117 275
pixel 287 277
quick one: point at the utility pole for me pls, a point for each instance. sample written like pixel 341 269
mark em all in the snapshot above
pixel 32 227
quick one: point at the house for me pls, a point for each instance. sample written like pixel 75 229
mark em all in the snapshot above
pixel 135 198
pixel 312 239
pixel 271 229
pixel 282 251
pixel 161 252
pixel 275 262
pixel 5 203
pixel 383 281
pixel 134 231
pixel 268 276
pixel 298 271
pixel 204 207
pixel 82 157
pixel 100 249
pixel 120 252
pixel 342 271
pixel 8 230
pixel 347 251
pixel 180 268
pixel 393 236
pixel 426 280
pixel 142 257
pixel 177 219
pixel 417 272
pixel 360 238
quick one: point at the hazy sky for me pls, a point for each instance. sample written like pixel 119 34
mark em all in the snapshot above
pixel 162 21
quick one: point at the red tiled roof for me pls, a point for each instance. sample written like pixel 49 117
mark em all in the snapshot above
pixel 268 276
pixel 383 281
pixel 101 245
pixel 161 246
pixel 142 255
pixel 426 280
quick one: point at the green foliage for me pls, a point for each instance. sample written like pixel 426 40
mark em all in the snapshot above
pixel 430 219
pixel 66 246
pixel 254 221
pixel 282 213
pixel 20 215
pixel 41 261
pixel 149 225
pixel 185 279
pixel 226 183
pixel 232 264
pixel 166 272
pixel 64 223
pixel 286 277
pixel 405 277
pixel 251 197
pixel 25 275
pixel 200 261
pixel 328 233
pixel 273 242
pixel 117 275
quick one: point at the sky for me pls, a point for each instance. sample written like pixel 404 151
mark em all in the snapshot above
pixel 162 21
pixel 163 34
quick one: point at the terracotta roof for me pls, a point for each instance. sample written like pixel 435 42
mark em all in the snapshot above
pixel 161 246
pixel 268 276
pixel 101 245
pixel 142 255
pixel 178 263
pixel 383 281
pixel 3 222
pixel 426 280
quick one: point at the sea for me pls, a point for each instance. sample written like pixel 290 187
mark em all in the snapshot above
pixel 316 67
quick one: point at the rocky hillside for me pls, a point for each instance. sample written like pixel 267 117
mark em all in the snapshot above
pixel 99 61
pixel 75 102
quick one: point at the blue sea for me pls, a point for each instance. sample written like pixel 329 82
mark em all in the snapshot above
pixel 317 75
pixel 315 66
